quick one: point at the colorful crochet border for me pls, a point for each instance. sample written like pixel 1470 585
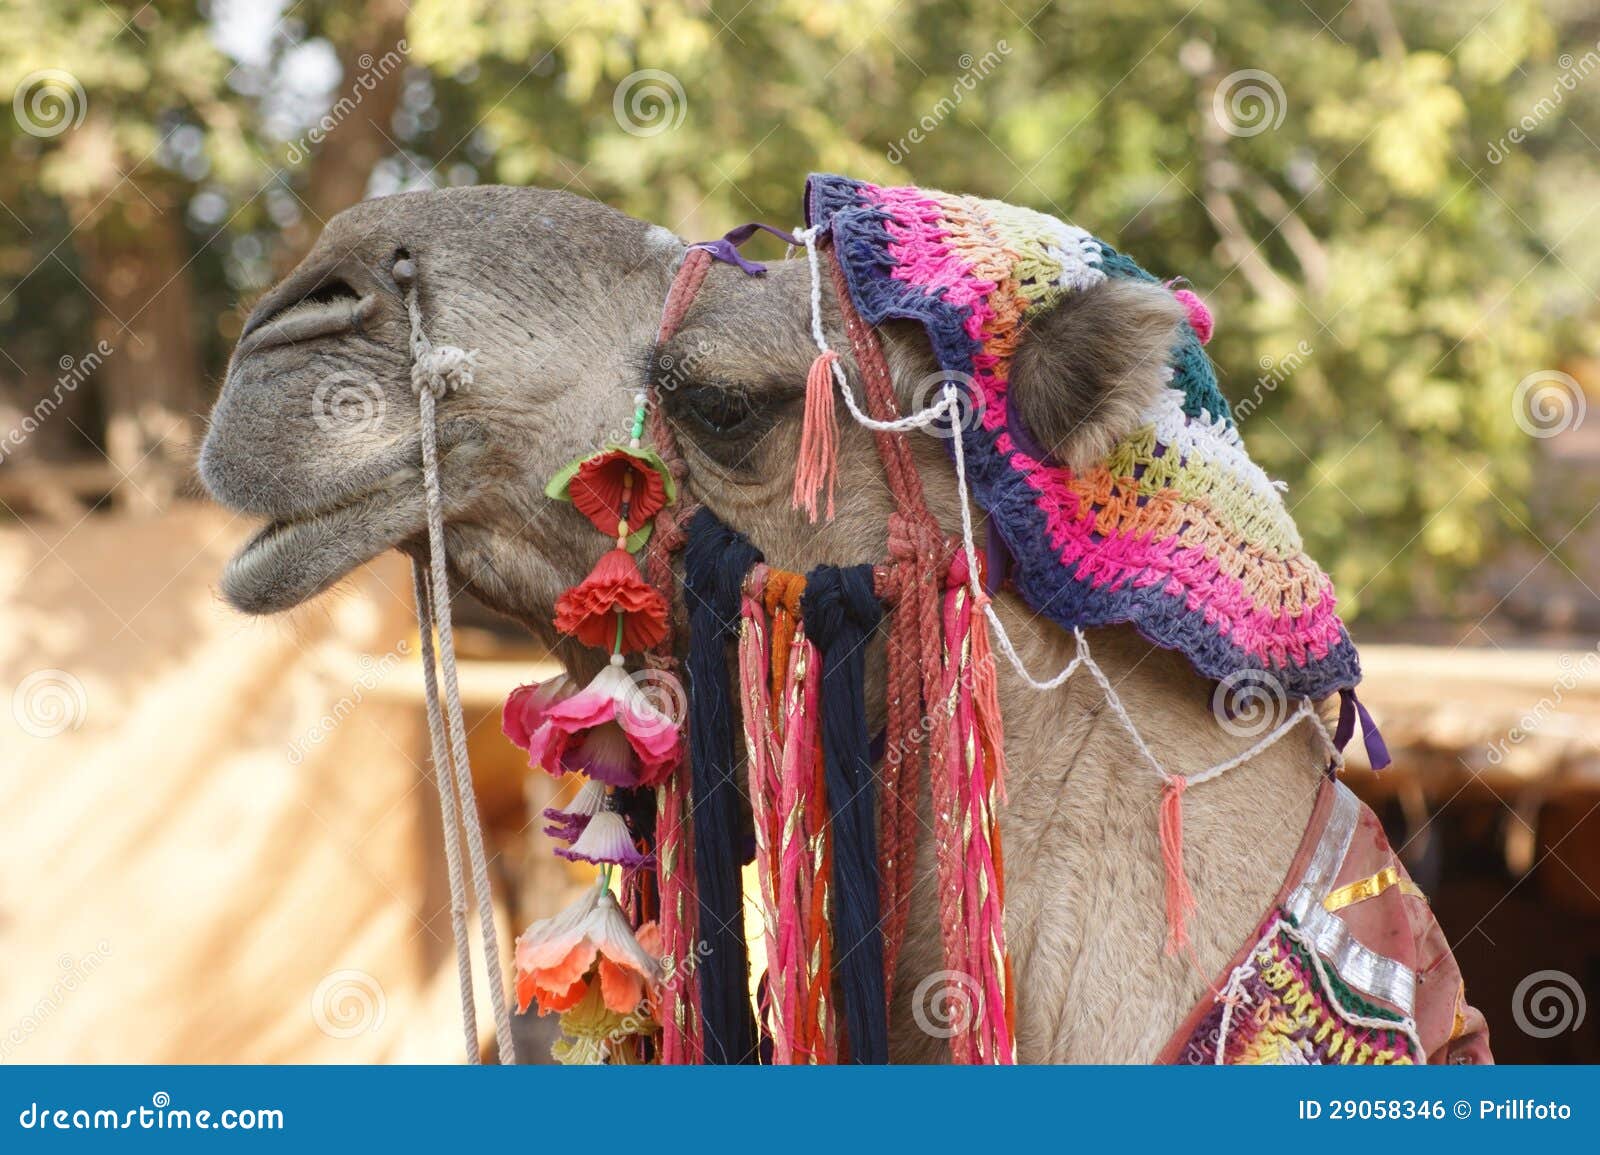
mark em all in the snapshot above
pixel 1179 533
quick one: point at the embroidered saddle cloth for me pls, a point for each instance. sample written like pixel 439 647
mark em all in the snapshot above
pixel 1178 532
pixel 1349 965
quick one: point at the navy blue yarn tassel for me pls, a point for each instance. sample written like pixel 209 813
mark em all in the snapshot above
pixel 715 562
pixel 840 611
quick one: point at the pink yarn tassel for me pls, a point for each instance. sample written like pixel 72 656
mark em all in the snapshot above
pixel 976 866
pixel 819 439
pixel 1180 899
pixel 755 700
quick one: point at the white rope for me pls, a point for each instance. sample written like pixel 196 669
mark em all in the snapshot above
pixel 447 811
pixel 949 402
pixel 435 371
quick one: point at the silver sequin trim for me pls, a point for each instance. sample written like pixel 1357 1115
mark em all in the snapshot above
pixel 1369 972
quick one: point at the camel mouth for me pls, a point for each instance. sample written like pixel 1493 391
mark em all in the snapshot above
pixel 301 552
pixel 291 560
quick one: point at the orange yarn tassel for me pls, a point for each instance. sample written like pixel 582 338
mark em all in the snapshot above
pixel 819 439
pixel 1180 899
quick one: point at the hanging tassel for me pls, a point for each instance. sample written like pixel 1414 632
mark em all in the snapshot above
pixel 714 567
pixel 1180 899
pixel 974 838
pixel 819 439
pixel 840 611
pixel 765 793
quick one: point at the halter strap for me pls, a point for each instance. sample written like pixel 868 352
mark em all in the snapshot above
pixel 435 371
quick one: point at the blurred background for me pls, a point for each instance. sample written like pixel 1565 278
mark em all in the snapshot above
pixel 221 837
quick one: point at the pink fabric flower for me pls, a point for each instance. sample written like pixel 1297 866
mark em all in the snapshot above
pixel 524 718
pixel 610 731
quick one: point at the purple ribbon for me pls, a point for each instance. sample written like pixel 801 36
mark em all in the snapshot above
pixel 997 558
pixel 1350 708
pixel 726 247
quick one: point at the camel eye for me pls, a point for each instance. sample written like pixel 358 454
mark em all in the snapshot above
pixel 723 412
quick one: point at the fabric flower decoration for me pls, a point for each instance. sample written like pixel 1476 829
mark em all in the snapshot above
pixel 606 839
pixel 613 589
pixel 610 731
pixel 599 486
pixel 523 719
pixel 559 958
pixel 568 822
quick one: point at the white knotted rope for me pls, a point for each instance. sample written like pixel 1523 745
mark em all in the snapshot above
pixel 435 371
pixel 949 403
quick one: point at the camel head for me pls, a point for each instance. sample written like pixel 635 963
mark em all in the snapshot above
pixel 316 430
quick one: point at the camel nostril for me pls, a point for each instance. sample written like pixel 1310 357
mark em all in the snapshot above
pixel 314 307
pixel 332 289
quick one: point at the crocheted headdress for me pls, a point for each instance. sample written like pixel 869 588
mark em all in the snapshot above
pixel 1177 532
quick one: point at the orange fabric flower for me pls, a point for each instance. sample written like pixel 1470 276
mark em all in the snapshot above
pixel 557 958
pixel 589 610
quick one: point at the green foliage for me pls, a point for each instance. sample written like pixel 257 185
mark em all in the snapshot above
pixel 1385 265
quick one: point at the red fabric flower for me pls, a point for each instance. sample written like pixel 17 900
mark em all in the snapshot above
pixel 589 610
pixel 597 490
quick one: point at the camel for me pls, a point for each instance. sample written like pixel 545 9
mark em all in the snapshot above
pixel 316 433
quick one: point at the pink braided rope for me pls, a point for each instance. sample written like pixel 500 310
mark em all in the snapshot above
pixel 755 703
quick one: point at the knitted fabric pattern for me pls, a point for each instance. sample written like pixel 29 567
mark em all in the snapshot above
pixel 1287 1011
pixel 1177 532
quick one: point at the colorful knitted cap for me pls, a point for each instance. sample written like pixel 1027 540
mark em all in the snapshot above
pixel 1177 533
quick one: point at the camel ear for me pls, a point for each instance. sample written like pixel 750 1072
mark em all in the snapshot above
pixel 1086 371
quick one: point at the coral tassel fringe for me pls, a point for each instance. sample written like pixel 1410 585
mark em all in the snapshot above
pixel 819 439
pixel 1180 899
